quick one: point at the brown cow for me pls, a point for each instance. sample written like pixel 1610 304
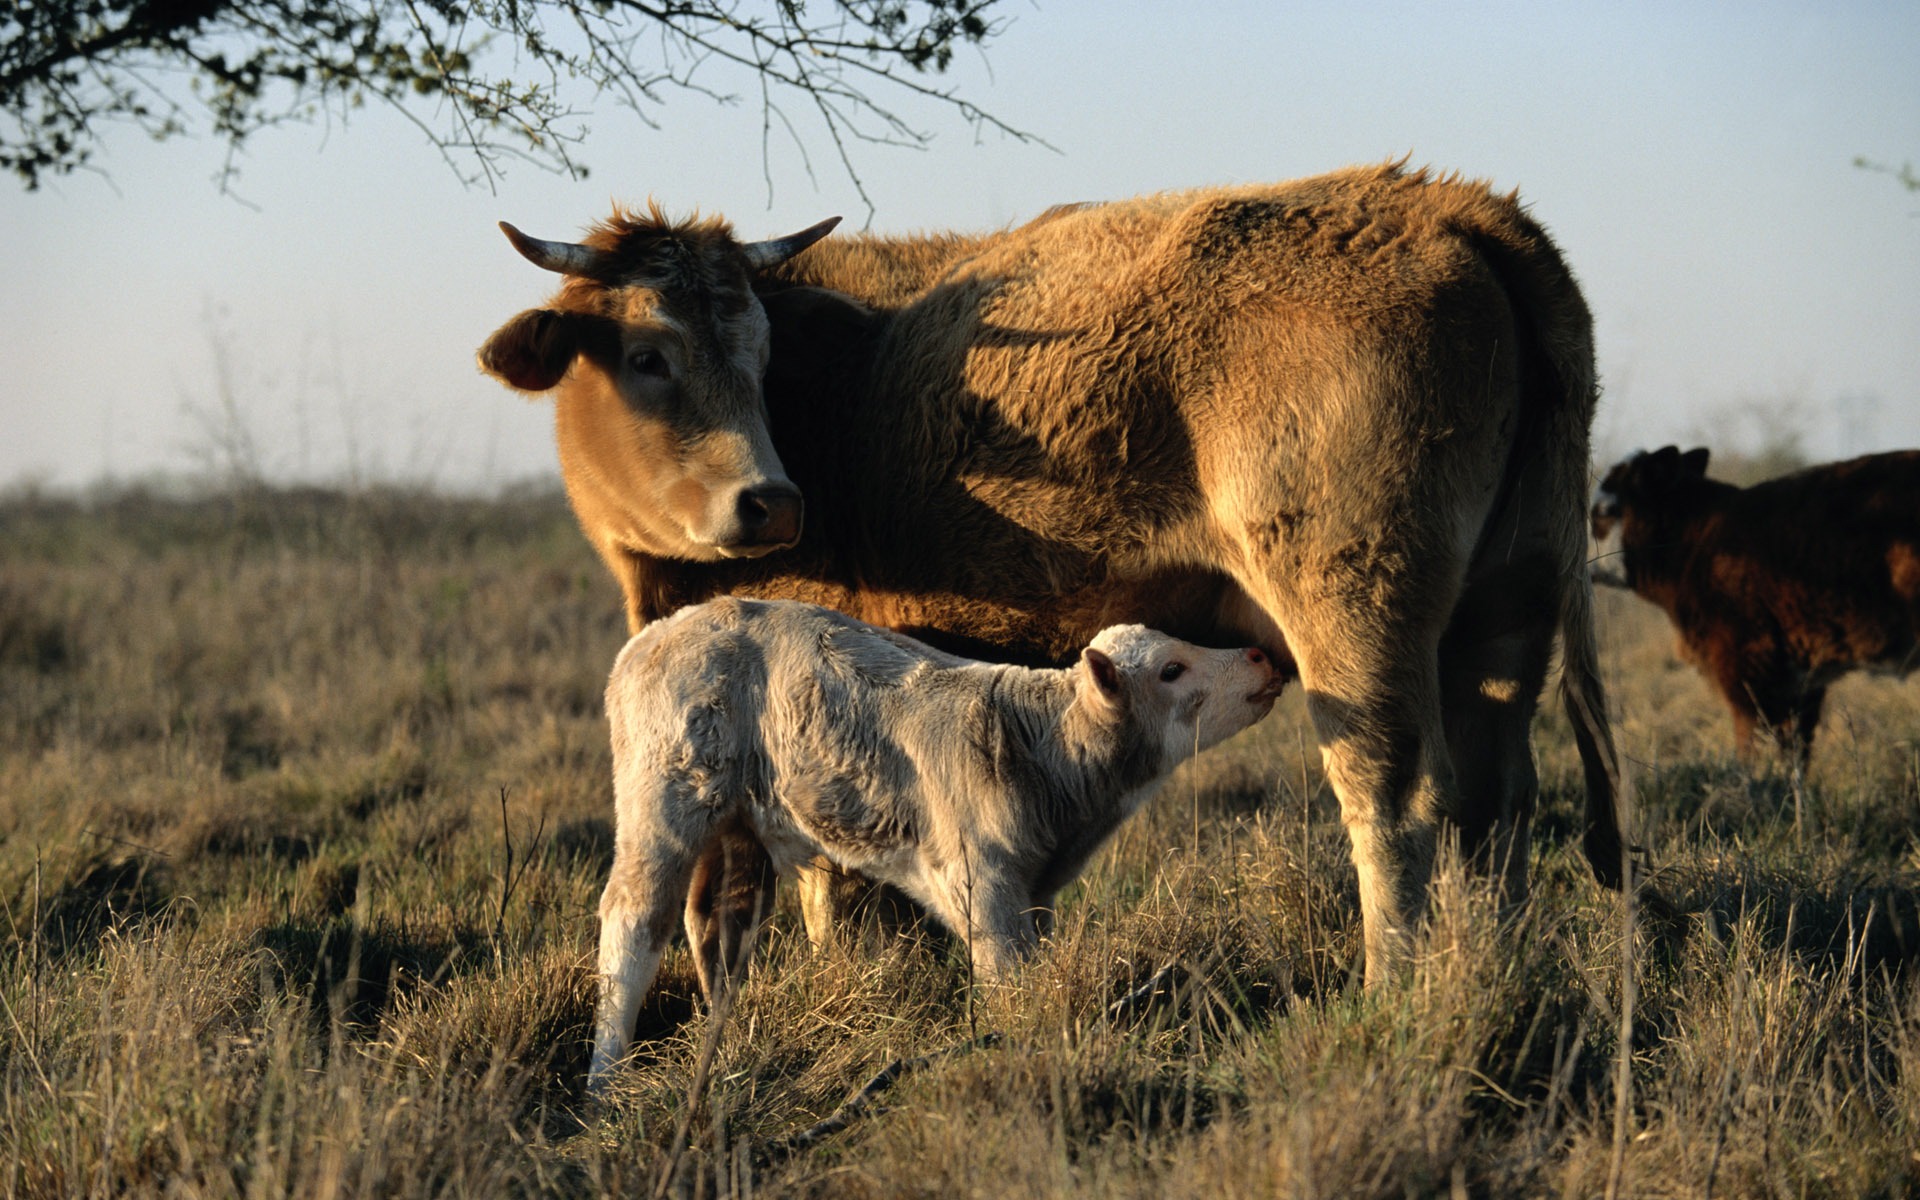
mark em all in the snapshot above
pixel 1344 417
pixel 1778 589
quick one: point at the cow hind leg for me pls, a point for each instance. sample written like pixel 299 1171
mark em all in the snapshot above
pixel 1371 675
pixel 1493 667
pixel 1387 762
pixel 729 896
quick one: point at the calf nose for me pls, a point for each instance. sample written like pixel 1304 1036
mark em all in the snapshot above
pixel 770 513
pixel 1276 679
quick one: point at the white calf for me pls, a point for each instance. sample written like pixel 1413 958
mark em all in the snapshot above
pixel 755 736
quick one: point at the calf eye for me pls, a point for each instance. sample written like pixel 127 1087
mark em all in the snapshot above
pixel 1172 671
pixel 648 361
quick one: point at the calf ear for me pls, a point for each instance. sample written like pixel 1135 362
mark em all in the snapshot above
pixel 532 351
pixel 812 330
pixel 1694 462
pixel 1106 690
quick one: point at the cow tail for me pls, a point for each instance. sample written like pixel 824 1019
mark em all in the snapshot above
pixel 1562 391
pixel 1586 705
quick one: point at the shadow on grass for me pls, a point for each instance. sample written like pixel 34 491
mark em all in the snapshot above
pixel 350 975
pixel 1868 928
pixel 107 892
pixel 584 845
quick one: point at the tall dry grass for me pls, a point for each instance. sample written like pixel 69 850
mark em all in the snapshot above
pixel 263 757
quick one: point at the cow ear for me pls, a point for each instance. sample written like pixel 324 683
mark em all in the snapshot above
pixel 811 330
pixel 1694 462
pixel 531 352
pixel 1105 676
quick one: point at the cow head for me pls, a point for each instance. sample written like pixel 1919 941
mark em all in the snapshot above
pixel 1644 478
pixel 654 348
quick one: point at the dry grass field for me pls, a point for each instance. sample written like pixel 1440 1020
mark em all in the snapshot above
pixel 304 811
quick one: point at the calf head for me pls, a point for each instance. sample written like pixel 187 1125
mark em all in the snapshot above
pixel 1171 694
pixel 1644 479
pixel 654 348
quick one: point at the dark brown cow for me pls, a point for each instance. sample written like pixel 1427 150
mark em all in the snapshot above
pixel 1779 589
pixel 1344 417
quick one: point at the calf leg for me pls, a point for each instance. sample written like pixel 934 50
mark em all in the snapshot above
pixel 1746 725
pixel 644 890
pixel 997 919
pixel 827 899
pixel 728 897
pixel 1002 936
pixel 1788 714
pixel 1766 709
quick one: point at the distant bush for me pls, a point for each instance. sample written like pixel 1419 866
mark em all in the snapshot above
pixel 150 518
pixel 1755 440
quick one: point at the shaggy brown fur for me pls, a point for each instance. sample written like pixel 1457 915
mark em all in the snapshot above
pixel 1345 416
pixel 1779 589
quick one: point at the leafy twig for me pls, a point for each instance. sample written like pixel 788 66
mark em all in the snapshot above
pixel 484 80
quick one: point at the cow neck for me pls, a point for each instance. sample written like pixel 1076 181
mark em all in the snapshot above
pixel 882 272
pixel 816 574
pixel 666 586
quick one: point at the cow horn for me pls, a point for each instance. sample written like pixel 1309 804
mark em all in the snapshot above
pixel 761 255
pixel 568 258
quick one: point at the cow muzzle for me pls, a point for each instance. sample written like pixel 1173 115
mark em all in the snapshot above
pixel 767 517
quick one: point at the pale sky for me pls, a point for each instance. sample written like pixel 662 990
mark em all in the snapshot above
pixel 1693 160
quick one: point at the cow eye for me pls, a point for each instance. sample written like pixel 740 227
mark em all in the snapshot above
pixel 648 361
pixel 1172 671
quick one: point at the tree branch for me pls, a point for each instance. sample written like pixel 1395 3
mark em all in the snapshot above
pixel 68 65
